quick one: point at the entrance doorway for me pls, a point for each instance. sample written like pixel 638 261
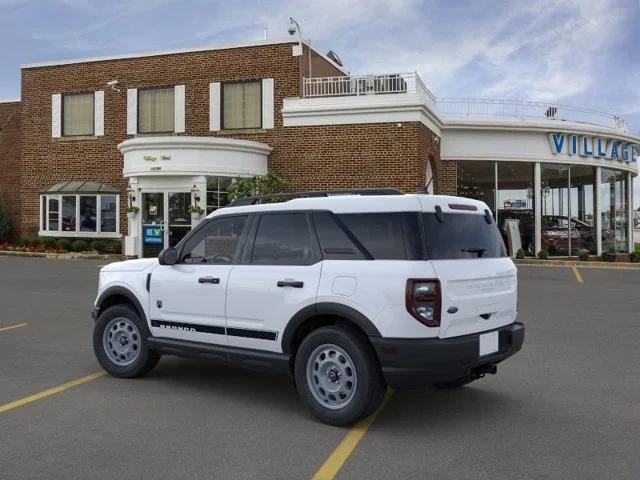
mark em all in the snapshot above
pixel 165 220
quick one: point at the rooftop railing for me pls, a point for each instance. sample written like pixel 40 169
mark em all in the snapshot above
pixel 525 109
pixel 357 85
pixel 411 83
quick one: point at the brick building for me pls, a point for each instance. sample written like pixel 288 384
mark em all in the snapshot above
pixel 168 130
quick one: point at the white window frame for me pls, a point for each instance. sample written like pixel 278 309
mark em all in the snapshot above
pixel 78 233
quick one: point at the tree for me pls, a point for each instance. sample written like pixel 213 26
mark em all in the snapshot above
pixel 242 187
pixel 4 220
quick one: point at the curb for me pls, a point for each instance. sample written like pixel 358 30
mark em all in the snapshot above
pixel 577 263
pixel 63 256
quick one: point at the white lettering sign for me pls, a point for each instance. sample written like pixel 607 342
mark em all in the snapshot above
pixel 597 147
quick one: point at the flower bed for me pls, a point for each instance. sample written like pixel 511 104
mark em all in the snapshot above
pixel 50 245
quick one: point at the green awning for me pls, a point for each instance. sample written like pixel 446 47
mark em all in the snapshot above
pixel 81 186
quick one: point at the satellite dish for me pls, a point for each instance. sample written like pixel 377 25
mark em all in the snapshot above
pixel 334 57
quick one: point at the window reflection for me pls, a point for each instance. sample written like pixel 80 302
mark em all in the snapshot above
pixel 516 204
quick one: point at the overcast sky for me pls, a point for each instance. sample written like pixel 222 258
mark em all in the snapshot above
pixel 580 52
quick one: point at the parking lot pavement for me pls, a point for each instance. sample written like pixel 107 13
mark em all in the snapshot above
pixel 565 407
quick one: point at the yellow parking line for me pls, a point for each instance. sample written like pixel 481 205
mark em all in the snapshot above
pixel 51 391
pixel 576 272
pixel 333 464
pixel 11 327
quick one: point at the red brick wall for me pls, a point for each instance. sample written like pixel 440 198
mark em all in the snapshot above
pixel 9 162
pixel 366 155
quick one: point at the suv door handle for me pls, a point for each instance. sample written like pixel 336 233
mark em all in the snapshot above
pixel 291 283
pixel 215 281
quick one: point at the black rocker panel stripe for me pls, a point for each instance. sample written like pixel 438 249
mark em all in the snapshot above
pixel 261 334
pixel 234 332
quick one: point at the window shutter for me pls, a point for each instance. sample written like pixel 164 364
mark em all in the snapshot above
pixel 132 111
pixel 179 110
pixel 214 107
pixel 267 103
pixel 98 112
pixel 56 115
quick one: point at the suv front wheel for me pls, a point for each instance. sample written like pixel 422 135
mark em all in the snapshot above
pixel 120 343
pixel 338 376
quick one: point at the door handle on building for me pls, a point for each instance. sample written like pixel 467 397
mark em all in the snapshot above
pixel 215 281
pixel 290 283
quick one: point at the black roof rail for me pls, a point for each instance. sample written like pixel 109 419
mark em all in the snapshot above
pixel 284 196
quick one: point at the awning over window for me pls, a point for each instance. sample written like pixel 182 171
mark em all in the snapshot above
pixel 81 186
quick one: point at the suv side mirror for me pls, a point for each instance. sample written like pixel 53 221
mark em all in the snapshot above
pixel 168 256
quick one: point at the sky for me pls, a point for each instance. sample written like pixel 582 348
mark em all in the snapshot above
pixel 576 52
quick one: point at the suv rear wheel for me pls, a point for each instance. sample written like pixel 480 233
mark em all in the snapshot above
pixel 338 376
pixel 120 343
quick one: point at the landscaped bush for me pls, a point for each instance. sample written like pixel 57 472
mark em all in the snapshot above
pixel 99 246
pixel 543 254
pixel 520 253
pixel 583 256
pixel 115 247
pixel 79 246
pixel 64 244
pixel 48 242
pixel 4 221
pixel 634 257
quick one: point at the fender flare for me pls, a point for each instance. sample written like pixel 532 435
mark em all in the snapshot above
pixel 125 292
pixel 326 308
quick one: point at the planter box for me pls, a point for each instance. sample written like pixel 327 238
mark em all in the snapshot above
pixel 617 257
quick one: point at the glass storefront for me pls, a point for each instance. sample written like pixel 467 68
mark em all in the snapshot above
pixel 516 203
pixel 614 192
pixel 582 196
pixel 567 204
pixel 477 180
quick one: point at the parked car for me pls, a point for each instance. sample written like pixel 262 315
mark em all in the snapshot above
pixel 345 293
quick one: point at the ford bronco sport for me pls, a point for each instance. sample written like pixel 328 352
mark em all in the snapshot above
pixel 347 292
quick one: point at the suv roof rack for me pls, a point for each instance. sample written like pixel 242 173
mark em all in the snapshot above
pixel 285 196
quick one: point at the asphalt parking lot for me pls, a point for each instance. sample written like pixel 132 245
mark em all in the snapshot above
pixel 567 406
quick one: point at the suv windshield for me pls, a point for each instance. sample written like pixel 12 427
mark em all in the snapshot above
pixel 462 235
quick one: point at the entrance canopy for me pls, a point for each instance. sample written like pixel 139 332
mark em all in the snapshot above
pixel 81 186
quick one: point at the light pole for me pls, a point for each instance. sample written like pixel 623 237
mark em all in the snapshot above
pixel 294 27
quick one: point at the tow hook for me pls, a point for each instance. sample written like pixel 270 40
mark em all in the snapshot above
pixel 484 370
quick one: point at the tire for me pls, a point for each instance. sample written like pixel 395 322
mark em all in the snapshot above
pixel 348 358
pixel 124 351
pixel 453 384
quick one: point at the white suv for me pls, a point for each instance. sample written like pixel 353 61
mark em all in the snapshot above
pixel 345 292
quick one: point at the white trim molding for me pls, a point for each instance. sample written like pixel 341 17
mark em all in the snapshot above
pixel 267 103
pixel 214 107
pixel 132 111
pixel 56 115
pixel 185 155
pixel 395 108
pixel 98 113
pixel 179 108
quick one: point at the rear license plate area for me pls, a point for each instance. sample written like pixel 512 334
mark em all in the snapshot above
pixel 489 343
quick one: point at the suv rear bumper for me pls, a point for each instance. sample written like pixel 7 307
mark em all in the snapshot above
pixel 409 363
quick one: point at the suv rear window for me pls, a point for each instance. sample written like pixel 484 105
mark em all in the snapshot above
pixel 380 233
pixel 462 235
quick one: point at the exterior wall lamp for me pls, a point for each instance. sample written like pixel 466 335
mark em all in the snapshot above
pixel 195 192
pixel 132 194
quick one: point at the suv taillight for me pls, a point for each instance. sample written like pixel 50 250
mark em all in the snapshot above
pixel 423 301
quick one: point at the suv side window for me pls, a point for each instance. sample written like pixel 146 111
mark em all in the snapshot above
pixel 217 242
pixel 380 233
pixel 334 241
pixel 284 239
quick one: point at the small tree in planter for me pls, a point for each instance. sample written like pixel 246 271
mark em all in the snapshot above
pixel 520 254
pixel 543 254
pixel 610 254
pixel 242 187
pixel 583 255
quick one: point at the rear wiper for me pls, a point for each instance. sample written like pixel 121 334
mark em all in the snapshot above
pixel 480 251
